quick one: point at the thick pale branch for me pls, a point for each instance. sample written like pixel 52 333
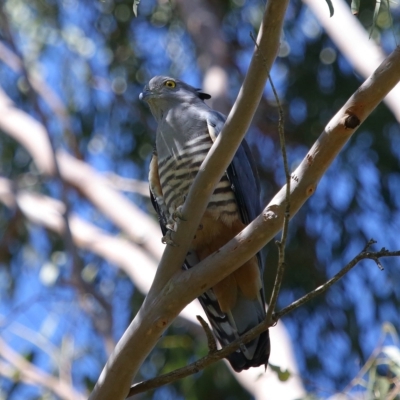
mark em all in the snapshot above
pixel 118 182
pixel 363 53
pixel 17 123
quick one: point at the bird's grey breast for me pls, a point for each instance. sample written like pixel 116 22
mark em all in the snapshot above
pixel 182 143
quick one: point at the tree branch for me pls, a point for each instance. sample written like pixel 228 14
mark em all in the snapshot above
pixel 212 344
pixel 213 357
pixel 354 43
pixel 172 288
pixel 321 289
pixel 134 261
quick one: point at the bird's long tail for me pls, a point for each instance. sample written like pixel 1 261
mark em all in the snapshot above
pixel 245 315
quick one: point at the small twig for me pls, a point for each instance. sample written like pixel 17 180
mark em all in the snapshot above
pixel 378 263
pixel 321 289
pixel 256 331
pixel 212 344
pixel 282 243
pixel 200 364
pixel 368 245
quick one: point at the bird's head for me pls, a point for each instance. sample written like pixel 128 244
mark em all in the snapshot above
pixel 163 92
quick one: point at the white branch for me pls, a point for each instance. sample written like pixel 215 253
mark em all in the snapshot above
pixel 353 41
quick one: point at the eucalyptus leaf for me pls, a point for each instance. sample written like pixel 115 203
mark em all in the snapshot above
pixel 135 6
pixel 283 375
pixel 355 7
pixel 375 17
pixel 331 9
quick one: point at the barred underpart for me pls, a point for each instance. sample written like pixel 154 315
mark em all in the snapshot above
pixel 177 173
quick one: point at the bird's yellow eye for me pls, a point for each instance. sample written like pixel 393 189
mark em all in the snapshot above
pixel 170 84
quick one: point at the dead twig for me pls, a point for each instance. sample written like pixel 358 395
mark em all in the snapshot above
pixel 212 344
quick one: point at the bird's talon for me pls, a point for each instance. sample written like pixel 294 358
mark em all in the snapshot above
pixel 171 227
pixel 178 215
pixel 168 240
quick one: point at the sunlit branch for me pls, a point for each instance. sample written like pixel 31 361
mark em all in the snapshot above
pixel 213 357
pixel 354 44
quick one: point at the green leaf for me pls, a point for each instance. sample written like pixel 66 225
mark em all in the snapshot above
pixel 355 6
pixel 388 328
pixel 283 375
pixel 382 386
pixel 331 9
pixel 376 13
pixel 135 6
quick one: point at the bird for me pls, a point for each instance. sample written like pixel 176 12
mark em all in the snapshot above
pixel 186 130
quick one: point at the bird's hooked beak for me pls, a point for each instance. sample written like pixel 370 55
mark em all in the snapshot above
pixel 146 94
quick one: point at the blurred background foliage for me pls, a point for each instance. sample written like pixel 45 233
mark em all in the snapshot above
pixel 97 57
